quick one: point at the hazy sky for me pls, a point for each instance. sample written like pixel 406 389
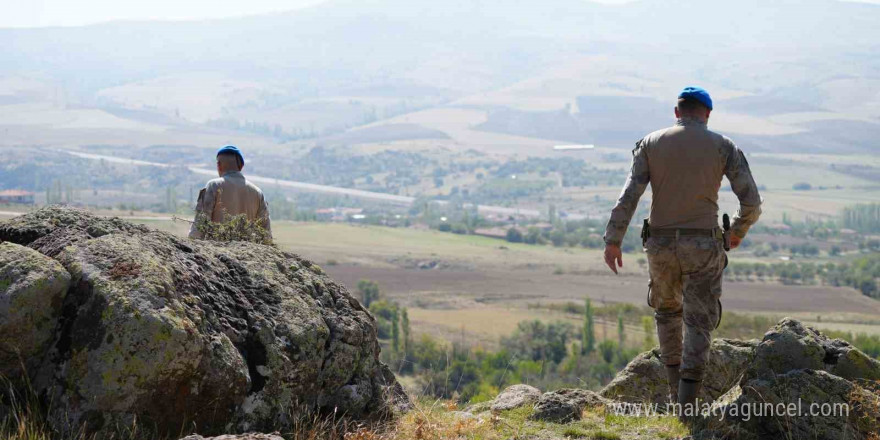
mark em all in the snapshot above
pixel 37 13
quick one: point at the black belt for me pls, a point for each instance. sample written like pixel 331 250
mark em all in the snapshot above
pixel 686 232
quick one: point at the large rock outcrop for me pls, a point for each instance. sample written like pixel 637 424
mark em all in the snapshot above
pixel 186 335
pixel 644 378
pixel 32 289
pixel 791 345
pixel 794 383
pixel 806 385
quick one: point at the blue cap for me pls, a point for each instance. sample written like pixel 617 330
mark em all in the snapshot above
pixel 697 93
pixel 233 150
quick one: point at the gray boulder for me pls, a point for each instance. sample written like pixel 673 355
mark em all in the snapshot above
pixel 566 405
pixel 516 396
pixel 791 345
pixel 644 378
pixel 216 337
pixel 750 416
pixel 32 290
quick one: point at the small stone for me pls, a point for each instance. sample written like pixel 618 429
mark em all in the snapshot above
pixel 515 396
pixel 567 405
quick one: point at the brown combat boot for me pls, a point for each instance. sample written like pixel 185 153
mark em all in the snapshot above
pixel 672 377
pixel 688 391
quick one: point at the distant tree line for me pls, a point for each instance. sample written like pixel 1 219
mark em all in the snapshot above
pixel 861 273
pixel 864 218
pixel 582 233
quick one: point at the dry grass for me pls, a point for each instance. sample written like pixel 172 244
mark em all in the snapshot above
pixel 429 420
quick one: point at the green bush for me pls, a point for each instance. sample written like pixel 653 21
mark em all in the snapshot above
pixel 234 228
pixel 514 235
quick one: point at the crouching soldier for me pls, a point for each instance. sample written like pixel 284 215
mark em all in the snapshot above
pixel 230 195
pixel 686 249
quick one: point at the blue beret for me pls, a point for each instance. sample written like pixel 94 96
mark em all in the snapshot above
pixel 231 149
pixel 697 93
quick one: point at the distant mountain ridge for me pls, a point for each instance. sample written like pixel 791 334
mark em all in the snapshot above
pixel 818 56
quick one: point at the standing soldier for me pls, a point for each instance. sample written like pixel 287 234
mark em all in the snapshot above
pixel 686 249
pixel 230 195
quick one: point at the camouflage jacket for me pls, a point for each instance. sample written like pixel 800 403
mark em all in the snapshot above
pixel 685 165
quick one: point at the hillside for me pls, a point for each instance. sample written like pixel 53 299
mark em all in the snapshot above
pixel 787 76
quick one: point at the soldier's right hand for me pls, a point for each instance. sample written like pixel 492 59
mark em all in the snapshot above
pixel 613 257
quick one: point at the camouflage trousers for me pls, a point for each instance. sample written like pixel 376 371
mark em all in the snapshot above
pixel 685 288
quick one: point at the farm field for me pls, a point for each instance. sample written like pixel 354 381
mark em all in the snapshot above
pixel 480 288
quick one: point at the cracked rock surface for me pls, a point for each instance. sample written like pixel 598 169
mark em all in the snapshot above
pixel 219 337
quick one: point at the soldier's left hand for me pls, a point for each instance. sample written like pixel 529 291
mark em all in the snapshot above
pixel 613 257
pixel 734 241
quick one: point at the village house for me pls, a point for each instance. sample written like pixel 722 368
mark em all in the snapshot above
pixel 16 196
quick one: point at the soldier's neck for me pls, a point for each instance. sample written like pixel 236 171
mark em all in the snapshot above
pixel 690 121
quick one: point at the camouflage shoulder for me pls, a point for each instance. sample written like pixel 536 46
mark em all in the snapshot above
pixel 641 144
pixel 726 145
pixel 651 138
pixel 727 142
pixel 254 187
pixel 213 184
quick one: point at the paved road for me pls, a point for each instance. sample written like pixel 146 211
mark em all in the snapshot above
pixel 125 217
pixel 310 187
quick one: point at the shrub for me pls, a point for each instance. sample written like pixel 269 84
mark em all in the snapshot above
pixel 514 235
pixel 234 228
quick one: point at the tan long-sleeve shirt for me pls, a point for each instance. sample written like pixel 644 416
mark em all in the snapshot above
pixel 684 165
pixel 231 195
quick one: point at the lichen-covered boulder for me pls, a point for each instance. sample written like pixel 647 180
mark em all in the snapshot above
pixel 802 404
pixel 32 290
pixel 193 335
pixel 566 405
pixel 644 378
pixel 515 396
pixel 791 345
pixel 252 436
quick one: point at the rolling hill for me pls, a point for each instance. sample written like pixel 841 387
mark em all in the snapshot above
pixel 787 75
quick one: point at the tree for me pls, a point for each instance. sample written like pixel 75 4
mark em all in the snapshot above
pixel 621 335
pixel 589 334
pixel 557 237
pixel 537 341
pixel 170 199
pixel 514 235
pixel 395 331
pixel 862 217
pixel 404 324
pixel 369 291
pixel 608 349
pixel 648 327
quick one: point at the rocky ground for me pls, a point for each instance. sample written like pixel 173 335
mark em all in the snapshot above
pixel 111 324
pixel 793 368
